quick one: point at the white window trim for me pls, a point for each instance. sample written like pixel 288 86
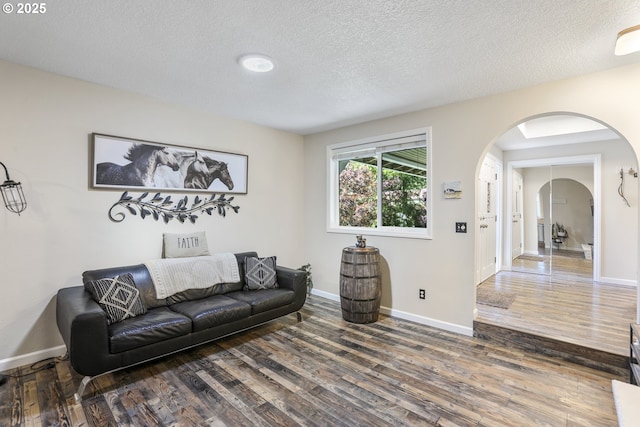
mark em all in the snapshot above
pixel 368 145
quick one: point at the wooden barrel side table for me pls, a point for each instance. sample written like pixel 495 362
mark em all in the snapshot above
pixel 360 284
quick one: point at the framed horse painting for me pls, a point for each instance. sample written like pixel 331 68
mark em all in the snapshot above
pixel 124 163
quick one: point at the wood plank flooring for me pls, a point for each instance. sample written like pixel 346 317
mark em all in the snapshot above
pixel 324 371
pixel 567 305
pixel 563 263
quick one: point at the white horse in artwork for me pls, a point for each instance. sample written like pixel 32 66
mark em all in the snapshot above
pixel 166 177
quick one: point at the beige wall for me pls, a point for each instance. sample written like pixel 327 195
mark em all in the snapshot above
pixel 47 120
pixel 462 134
pixel 44 140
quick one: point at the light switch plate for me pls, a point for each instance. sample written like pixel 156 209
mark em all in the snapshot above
pixel 461 227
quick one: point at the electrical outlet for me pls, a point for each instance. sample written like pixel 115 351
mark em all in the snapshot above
pixel 422 294
pixel 461 227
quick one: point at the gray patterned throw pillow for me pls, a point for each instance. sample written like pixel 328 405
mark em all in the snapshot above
pixel 117 296
pixel 260 273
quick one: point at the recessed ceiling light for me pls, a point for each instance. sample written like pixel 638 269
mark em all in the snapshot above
pixel 256 63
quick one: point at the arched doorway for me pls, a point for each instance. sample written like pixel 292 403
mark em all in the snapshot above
pixel 552 143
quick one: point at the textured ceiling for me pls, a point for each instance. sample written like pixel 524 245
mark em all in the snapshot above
pixel 339 62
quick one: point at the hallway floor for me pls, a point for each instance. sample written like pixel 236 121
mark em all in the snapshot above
pixel 567 305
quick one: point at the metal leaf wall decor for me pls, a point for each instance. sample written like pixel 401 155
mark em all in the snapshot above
pixel 163 207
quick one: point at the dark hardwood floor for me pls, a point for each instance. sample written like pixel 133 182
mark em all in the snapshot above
pixel 324 371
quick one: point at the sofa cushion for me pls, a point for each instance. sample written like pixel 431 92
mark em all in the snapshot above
pixel 195 294
pixel 213 311
pixel 264 300
pixel 156 325
pixel 117 296
pixel 140 276
pixel 181 245
pixel 260 273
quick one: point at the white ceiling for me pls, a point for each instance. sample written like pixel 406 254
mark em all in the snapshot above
pixel 339 62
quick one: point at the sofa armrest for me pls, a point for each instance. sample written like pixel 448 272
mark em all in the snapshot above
pixel 296 280
pixel 83 326
pixel 289 278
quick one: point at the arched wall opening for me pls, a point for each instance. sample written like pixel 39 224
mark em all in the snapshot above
pixel 615 226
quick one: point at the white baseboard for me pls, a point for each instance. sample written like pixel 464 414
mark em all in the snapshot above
pixel 327 295
pixel 31 358
pixel 621 282
pixel 450 327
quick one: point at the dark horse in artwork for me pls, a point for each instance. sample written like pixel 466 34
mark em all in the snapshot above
pixel 204 170
pixel 144 161
pixel 166 177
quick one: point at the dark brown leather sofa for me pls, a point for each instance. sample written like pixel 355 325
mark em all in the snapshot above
pixel 184 320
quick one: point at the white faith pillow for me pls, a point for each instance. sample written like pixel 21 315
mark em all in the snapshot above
pixel 179 245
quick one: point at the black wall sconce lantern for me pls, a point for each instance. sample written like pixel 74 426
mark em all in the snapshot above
pixel 12 194
pixel 14 200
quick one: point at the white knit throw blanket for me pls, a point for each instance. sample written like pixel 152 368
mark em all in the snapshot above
pixel 173 275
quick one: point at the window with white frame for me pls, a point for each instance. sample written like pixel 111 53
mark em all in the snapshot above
pixel 382 185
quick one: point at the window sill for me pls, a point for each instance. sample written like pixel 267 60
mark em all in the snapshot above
pixel 387 232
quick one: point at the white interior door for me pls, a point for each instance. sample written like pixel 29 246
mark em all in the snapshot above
pixel 486 219
pixel 517 226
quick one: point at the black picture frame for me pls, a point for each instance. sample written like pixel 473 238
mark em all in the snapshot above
pixel 133 164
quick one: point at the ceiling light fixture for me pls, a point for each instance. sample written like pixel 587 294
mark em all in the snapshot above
pixel 256 62
pixel 628 41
